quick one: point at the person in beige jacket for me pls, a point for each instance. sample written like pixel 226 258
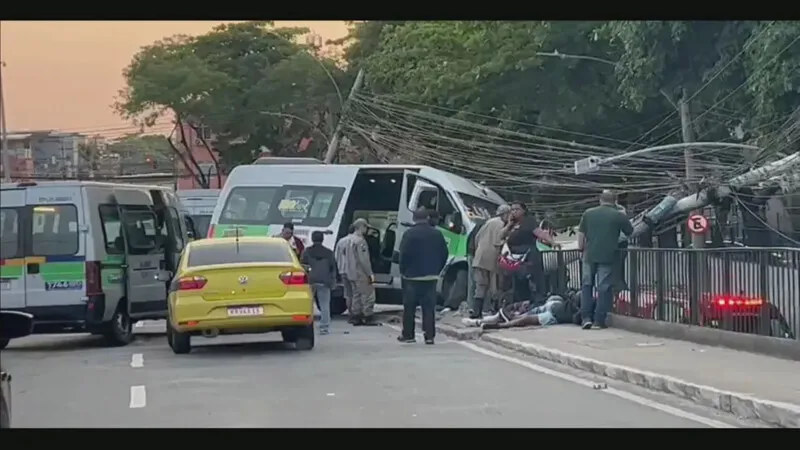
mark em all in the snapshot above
pixel 488 243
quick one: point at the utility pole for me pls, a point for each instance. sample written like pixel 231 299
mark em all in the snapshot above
pixel 333 147
pixel 4 145
pixel 698 240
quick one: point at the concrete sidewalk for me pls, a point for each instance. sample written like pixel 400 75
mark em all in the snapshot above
pixel 745 384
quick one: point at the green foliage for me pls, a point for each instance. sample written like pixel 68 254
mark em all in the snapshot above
pixel 249 82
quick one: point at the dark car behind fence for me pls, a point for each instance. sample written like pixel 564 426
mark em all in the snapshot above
pixel 746 290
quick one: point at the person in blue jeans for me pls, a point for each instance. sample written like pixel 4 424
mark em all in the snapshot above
pixel 321 266
pixel 598 239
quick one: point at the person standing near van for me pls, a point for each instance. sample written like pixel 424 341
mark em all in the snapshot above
pixel 488 242
pixel 341 264
pixel 598 239
pixel 287 232
pixel 321 276
pixel 423 254
pixel 360 276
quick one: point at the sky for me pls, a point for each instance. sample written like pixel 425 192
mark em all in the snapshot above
pixel 65 75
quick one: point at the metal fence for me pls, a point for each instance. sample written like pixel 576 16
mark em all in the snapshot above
pixel 746 290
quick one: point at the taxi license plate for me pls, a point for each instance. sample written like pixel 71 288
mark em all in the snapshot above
pixel 246 311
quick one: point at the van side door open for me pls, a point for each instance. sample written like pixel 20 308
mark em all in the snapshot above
pixel 144 259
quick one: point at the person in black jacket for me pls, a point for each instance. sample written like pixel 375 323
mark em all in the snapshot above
pixel 423 254
pixel 321 266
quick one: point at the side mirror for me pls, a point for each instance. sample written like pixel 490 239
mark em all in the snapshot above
pixel 457 223
pixel 164 275
pixel 15 324
pixel 191 230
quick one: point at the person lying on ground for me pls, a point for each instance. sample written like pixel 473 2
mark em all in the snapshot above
pixel 522 314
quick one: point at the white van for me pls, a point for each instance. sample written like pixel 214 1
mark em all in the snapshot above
pixel 88 257
pixel 199 205
pixel 258 199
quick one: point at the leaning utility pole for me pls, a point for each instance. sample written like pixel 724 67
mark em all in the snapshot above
pixel 698 240
pixel 4 146
pixel 333 147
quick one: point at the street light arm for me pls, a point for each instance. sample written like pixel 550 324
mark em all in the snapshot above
pixel 556 54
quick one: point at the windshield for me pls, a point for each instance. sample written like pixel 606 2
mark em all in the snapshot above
pixel 478 208
pixel 302 205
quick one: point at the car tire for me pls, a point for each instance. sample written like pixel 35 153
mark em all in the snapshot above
pixel 4 343
pixel 181 343
pixel 120 329
pixel 304 338
pixel 456 291
pixel 338 306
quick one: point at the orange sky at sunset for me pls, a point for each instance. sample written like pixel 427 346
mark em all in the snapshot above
pixel 65 75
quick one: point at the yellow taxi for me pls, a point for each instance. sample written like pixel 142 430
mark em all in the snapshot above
pixel 239 285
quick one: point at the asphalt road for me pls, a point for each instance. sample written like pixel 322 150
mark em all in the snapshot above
pixel 355 377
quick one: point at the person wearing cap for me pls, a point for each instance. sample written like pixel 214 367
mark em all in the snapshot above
pixel 423 255
pixel 488 243
pixel 341 263
pixel 358 273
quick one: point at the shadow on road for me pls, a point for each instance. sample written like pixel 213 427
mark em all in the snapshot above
pixel 56 343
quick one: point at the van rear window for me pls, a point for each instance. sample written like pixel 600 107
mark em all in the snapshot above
pixel 54 230
pixel 303 205
pixel 9 233
pixel 250 252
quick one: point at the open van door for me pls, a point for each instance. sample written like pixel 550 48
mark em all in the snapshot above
pixel 416 191
pixel 144 261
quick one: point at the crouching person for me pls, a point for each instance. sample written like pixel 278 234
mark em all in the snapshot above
pixel 554 311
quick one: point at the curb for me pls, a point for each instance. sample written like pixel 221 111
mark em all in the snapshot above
pixel 783 415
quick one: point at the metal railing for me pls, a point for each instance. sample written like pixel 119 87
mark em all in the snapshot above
pixel 746 290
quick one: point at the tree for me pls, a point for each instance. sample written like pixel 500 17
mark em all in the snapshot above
pixel 250 83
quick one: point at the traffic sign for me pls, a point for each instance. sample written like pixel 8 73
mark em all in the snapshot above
pixel 698 224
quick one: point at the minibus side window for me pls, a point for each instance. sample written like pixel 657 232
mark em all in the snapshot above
pixel 112 229
pixel 54 230
pixel 9 233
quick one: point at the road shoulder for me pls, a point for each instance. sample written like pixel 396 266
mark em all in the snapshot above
pixel 747 385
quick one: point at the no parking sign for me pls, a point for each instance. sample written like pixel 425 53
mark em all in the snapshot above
pixel 698 224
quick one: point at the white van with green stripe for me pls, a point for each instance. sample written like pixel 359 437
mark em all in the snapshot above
pixel 88 257
pixel 258 199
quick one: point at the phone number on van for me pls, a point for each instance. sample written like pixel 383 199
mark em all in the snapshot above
pixel 63 285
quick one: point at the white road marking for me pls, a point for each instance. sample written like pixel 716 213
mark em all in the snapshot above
pixel 608 390
pixel 138 397
pixel 137 360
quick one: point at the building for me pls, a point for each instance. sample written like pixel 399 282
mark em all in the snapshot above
pixel 45 153
pixel 186 178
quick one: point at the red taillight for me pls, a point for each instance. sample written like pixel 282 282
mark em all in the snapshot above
pixel 191 283
pixel 729 302
pixel 294 278
pixel 93 278
pixel 210 231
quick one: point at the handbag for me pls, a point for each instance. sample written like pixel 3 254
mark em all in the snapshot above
pixel 511 262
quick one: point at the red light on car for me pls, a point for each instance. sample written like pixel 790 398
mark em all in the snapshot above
pixel 737 301
pixel 294 278
pixel 191 283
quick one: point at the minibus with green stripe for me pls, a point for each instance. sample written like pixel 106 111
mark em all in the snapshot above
pixel 88 257
pixel 258 199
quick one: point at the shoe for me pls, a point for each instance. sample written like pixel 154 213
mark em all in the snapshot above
pixel 404 340
pixel 355 320
pixel 587 324
pixel 471 322
pixel 323 332
pixel 599 326
pixel 429 341
pixel 369 322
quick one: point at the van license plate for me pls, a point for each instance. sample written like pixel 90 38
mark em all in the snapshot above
pixel 246 311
